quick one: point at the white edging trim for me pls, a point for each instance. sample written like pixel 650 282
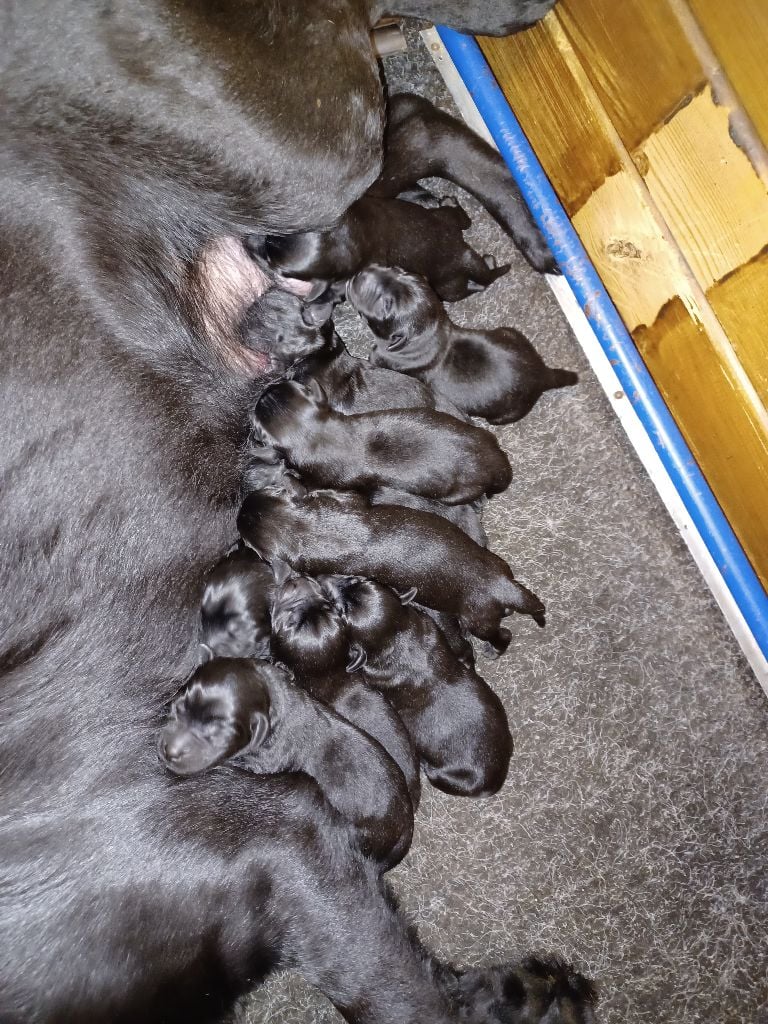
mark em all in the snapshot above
pixel 609 382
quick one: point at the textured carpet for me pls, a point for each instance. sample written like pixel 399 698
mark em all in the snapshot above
pixel 632 833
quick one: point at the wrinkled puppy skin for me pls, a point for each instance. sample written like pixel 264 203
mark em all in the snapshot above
pixel 421 451
pixel 252 713
pixel 496 374
pixel 457 723
pixel 400 547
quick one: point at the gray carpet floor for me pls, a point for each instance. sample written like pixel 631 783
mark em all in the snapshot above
pixel 632 833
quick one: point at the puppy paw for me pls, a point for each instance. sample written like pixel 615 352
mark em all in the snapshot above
pixel 537 990
pixel 533 245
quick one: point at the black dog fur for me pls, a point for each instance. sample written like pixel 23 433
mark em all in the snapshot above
pixel 140 143
pixel 496 374
pixel 457 723
pixel 415 450
pixel 403 548
pixel 251 712
pixel 392 232
pixel 235 611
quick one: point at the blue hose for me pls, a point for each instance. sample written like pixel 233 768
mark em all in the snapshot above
pixel 638 385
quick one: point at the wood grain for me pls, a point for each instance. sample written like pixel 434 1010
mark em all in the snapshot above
pixel 738 33
pixel 740 302
pixel 706 189
pixel 637 58
pixel 570 143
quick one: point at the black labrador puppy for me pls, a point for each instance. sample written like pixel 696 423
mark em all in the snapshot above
pixel 253 713
pixel 135 156
pixel 393 232
pixel 235 611
pixel 403 548
pixel 311 639
pixel 457 723
pixel 420 451
pixel 496 374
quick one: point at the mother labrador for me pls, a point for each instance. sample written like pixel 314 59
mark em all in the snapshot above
pixel 142 140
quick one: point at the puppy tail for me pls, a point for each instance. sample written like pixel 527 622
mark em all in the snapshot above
pixel 524 601
pixel 562 378
pixel 534 991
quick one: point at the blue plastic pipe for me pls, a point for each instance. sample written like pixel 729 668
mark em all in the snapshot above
pixel 638 385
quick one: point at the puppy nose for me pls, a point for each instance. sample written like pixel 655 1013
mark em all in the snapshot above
pixel 173 749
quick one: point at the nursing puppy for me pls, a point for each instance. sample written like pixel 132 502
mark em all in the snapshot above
pixel 403 548
pixel 235 609
pixel 311 639
pixel 392 232
pixel 253 714
pixel 496 374
pixel 457 723
pixel 416 450
pixel 277 324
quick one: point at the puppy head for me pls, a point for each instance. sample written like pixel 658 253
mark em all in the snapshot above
pixel 402 310
pixel 287 407
pixel 308 634
pixel 234 608
pixel 372 611
pixel 265 471
pixel 285 327
pixel 292 255
pixel 223 710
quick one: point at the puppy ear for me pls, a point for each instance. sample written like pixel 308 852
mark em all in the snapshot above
pixel 205 654
pixel 408 596
pixel 317 391
pixel 396 342
pixel 259 729
pixel 281 571
pixel 357 658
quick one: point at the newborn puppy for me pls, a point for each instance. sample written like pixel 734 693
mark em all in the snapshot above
pixel 496 374
pixel 416 450
pixel 311 639
pixel 235 609
pixel 391 232
pixel 403 548
pixel 291 329
pixel 463 516
pixel 254 714
pixel 457 723
pixel 264 470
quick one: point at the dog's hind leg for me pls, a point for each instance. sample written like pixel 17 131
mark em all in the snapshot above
pixel 423 142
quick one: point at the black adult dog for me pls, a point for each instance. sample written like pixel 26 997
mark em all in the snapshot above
pixel 403 548
pixel 388 231
pixel 253 714
pixel 140 141
pixel 420 451
pixel 496 374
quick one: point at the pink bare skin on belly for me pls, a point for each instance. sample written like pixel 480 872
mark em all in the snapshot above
pixel 225 283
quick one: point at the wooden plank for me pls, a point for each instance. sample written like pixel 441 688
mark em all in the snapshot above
pixel 706 189
pixel 738 33
pixel 637 59
pixel 740 302
pixel 727 442
pixel 575 152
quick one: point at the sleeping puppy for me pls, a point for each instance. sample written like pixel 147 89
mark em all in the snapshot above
pixel 235 609
pixel 401 547
pixel 302 346
pixel 264 470
pixel 416 450
pixel 252 714
pixel 311 639
pixel 386 231
pixel 457 723
pixel 496 374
